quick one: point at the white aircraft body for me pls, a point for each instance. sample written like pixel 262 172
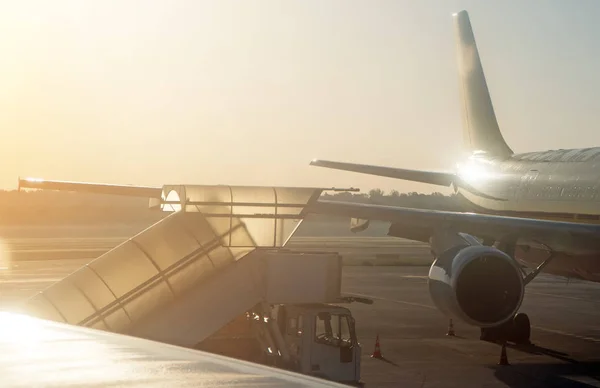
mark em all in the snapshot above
pixel 40 353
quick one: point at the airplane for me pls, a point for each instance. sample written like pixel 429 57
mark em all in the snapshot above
pixel 538 210
pixel 41 353
pixel 561 185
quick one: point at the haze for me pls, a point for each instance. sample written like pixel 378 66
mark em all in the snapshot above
pixel 248 92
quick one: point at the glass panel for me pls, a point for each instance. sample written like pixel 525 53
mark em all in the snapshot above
pixel 171 256
pixel 93 287
pixel 258 232
pixel 345 337
pixel 124 268
pixel 43 309
pixel 71 303
pixel 294 196
pixel 333 329
pixel 182 243
pixel 323 329
pixel 216 199
pixel 171 196
pixel 264 196
pixel 167 242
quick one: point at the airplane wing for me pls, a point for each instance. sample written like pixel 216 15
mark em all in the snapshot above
pixel 431 177
pixel 41 353
pixel 414 224
pixel 420 224
pixel 99 188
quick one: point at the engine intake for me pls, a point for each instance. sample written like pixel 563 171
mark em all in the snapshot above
pixel 479 285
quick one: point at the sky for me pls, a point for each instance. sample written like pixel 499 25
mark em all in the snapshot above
pixel 248 92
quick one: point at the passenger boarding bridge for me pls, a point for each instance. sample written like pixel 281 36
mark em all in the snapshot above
pixel 219 253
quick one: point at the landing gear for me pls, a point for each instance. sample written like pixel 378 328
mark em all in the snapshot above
pixel 521 330
pixel 517 330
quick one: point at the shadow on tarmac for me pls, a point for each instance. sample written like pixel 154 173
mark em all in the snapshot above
pixel 548 375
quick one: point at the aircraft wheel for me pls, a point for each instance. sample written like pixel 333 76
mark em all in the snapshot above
pixel 521 330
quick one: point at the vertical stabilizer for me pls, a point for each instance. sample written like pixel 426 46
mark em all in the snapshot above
pixel 480 127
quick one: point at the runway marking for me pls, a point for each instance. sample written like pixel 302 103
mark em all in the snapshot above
pixel 394 300
pixel 415 276
pixel 561 296
pixel 553 331
pixel 30 280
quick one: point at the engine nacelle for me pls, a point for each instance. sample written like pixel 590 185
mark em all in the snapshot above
pixel 477 284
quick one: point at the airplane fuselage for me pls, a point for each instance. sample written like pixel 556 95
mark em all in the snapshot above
pixel 562 185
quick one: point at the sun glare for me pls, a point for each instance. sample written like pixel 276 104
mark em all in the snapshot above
pixel 60 354
pixel 21 329
pixel 473 172
pixel 171 197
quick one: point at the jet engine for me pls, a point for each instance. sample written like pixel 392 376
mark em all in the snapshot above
pixel 478 284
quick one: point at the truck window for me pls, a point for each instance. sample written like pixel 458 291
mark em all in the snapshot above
pixel 345 339
pixel 333 330
pixel 323 329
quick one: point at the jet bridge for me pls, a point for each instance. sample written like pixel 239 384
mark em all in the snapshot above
pixel 219 253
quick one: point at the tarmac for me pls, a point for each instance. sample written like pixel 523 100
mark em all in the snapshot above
pixel 417 353
pixel 565 315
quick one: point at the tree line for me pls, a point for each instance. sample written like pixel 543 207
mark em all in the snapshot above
pixel 40 207
pixel 436 201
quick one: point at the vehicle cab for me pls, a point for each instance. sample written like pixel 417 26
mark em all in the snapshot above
pixel 321 340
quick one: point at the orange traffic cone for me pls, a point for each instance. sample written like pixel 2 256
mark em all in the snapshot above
pixel 503 357
pixel 450 329
pixel 377 352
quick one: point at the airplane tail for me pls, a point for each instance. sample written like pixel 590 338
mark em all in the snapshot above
pixel 480 127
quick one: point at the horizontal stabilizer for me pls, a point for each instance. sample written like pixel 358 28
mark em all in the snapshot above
pixel 98 188
pixel 431 177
